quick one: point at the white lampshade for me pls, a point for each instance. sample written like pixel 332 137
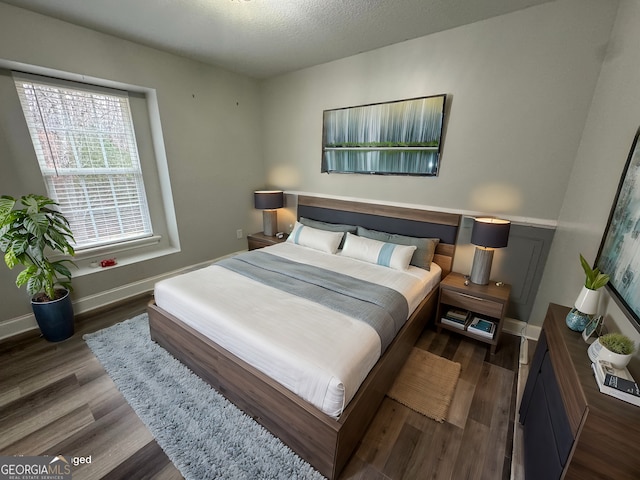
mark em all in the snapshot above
pixel 587 301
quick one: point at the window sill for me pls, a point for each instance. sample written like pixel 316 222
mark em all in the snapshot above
pixel 101 251
pixel 127 253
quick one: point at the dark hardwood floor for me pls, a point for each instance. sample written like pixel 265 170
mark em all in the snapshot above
pixel 55 398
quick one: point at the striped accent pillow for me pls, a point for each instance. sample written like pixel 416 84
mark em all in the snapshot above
pixel 381 253
pixel 426 247
pixel 317 239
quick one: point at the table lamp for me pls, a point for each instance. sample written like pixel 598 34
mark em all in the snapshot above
pixel 268 201
pixel 487 234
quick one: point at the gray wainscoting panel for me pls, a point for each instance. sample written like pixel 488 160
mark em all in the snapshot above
pixel 522 265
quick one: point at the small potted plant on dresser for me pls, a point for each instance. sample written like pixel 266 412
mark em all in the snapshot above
pixel 617 349
pixel 587 302
pixel 27 235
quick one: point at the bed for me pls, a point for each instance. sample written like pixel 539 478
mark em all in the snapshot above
pixel 321 422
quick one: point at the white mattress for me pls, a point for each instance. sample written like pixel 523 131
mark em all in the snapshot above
pixel 319 354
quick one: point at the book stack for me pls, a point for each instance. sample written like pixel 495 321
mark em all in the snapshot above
pixel 456 318
pixel 483 327
pixel 616 382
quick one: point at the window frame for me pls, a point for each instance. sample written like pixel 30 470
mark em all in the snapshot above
pixel 67 94
pixel 146 116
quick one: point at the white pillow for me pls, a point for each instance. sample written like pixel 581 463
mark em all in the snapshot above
pixel 380 253
pixel 314 238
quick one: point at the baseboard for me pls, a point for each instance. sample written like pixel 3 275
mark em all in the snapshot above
pixel 17 325
pixel 520 328
pixel 525 332
pixel 25 323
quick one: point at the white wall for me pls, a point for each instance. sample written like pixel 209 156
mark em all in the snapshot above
pixel 210 120
pixel 520 84
pixel 611 125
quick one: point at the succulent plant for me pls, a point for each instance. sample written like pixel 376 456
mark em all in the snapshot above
pixel 617 343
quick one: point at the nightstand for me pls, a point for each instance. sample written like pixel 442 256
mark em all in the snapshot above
pixel 260 240
pixel 487 301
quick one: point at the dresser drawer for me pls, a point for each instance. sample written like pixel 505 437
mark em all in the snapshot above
pixel 557 413
pixel 541 459
pixel 471 302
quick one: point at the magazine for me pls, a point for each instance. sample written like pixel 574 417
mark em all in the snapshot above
pixel 456 318
pixel 616 382
pixel 483 327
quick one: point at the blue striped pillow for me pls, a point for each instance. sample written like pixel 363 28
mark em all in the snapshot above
pixel 386 254
pixel 317 239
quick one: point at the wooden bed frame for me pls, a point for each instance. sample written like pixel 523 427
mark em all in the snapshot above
pixel 326 443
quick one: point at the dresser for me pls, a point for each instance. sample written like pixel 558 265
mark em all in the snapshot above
pixel 570 429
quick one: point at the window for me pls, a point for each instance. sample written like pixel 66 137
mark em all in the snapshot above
pixel 85 143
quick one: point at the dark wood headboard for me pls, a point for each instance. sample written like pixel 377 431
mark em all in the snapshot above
pixel 413 222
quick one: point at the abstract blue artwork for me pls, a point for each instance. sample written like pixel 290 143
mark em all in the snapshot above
pixel 394 138
pixel 620 249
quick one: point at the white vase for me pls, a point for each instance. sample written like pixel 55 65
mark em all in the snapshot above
pixel 615 359
pixel 587 301
pixel 598 352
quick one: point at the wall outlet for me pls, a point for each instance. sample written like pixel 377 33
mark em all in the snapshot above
pixel 239 233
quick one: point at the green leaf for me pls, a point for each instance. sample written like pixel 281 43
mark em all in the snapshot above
pixel 36 254
pixel 61 268
pixel 19 245
pixel 6 205
pixel 35 284
pixel 594 278
pixel 32 204
pixel 10 259
pixel 24 276
pixel 66 284
pixel 600 281
pixel 36 224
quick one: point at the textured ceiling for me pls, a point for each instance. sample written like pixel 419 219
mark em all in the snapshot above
pixel 264 38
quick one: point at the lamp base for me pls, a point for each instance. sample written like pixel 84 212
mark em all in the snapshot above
pixel 481 268
pixel 270 222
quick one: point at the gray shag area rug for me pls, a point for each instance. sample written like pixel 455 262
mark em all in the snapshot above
pixel 204 435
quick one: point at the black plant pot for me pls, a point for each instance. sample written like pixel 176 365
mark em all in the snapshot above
pixel 55 318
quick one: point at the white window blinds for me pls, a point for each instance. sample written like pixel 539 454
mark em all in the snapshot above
pixel 85 143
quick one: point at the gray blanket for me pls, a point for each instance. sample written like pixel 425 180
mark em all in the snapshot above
pixel 385 309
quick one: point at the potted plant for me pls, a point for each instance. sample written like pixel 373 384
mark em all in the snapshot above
pixel 587 302
pixel 617 349
pixel 27 235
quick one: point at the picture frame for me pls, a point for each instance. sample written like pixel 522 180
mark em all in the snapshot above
pixel 402 137
pixel 619 253
pixel 592 328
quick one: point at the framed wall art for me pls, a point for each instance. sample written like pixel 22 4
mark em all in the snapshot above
pixel 394 138
pixel 619 254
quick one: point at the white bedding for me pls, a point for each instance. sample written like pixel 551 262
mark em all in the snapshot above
pixel 319 354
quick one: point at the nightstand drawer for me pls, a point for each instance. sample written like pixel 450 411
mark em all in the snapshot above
pixel 256 243
pixel 260 240
pixel 471 302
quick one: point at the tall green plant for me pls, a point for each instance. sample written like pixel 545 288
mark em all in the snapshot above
pixel 26 234
pixel 594 277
